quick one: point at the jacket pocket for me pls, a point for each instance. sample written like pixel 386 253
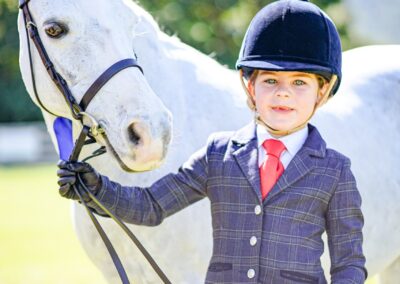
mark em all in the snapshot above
pixel 219 266
pixel 299 277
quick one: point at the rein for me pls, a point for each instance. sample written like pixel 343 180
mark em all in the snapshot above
pixel 78 113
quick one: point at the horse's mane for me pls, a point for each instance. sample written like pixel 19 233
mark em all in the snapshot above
pixel 147 25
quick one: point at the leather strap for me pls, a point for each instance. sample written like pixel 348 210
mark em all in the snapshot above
pixel 33 74
pixel 138 244
pixel 80 142
pixel 104 78
pixel 114 256
pixel 23 3
pixel 55 77
pixel 58 80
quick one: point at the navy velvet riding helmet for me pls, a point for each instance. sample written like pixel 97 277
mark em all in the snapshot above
pixel 292 35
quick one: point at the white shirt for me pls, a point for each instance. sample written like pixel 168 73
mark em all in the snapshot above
pixel 293 142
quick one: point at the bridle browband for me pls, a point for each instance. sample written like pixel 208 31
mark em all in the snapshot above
pixel 78 113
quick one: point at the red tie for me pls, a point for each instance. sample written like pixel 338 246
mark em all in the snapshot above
pixel 272 168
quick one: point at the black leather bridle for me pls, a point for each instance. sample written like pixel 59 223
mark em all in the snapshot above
pixel 78 113
pixel 76 109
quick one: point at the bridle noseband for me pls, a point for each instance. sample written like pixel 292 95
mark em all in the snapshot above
pixel 78 113
pixel 76 109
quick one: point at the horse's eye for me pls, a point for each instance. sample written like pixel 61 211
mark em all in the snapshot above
pixel 55 30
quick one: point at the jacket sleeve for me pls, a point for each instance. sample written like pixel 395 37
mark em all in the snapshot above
pixel 149 206
pixel 344 229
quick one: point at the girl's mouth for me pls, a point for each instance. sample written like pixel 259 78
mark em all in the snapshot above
pixel 281 108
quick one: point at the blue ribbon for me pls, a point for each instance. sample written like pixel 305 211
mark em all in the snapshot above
pixel 63 130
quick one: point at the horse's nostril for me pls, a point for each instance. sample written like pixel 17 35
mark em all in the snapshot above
pixel 133 135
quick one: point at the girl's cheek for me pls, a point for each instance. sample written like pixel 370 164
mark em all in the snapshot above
pixel 266 89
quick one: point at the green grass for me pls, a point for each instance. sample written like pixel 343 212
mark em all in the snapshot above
pixel 37 241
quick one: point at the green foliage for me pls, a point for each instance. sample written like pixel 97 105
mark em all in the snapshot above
pixel 15 104
pixel 215 27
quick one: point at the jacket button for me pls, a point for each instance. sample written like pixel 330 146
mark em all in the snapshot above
pixel 253 241
pixel 251 273
pixel 257 210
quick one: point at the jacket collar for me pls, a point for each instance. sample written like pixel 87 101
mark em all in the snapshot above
pixel 245 134
pixel 245 151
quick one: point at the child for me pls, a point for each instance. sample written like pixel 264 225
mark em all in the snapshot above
pixel 273 185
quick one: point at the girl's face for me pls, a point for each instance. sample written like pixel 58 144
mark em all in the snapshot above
pixel 285 100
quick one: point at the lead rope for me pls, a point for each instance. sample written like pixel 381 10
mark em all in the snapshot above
pixel 80 142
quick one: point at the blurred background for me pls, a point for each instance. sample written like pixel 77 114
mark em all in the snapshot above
pixel 37 243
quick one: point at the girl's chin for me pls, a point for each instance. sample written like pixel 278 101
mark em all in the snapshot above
pixel 280 126
pixel 283 129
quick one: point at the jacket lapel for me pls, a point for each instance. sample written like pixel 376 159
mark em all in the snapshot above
pixel 302 163
pixel 245 152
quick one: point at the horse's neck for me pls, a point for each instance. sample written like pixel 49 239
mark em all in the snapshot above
pixel 202 95
pixel 189 82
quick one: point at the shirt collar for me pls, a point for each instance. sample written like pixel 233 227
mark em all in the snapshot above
pixel 293 142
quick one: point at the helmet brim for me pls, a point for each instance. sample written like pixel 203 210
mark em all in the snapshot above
pixel 277 65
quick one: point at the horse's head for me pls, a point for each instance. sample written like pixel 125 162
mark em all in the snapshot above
pixel 83 39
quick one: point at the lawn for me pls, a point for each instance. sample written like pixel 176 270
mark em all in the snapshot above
pixel 37 241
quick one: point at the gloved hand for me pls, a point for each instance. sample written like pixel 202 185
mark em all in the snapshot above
pixel 67 177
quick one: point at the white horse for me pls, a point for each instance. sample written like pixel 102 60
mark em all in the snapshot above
pixel 385 15
pixel 204 97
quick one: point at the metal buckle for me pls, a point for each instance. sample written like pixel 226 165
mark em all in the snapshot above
pixel 76 110
pixel 30 24
pixel 95 127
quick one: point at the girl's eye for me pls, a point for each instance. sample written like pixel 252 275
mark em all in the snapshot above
pixel 299 82
pixel 270 81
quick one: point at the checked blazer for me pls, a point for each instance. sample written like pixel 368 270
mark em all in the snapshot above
pixel 277 240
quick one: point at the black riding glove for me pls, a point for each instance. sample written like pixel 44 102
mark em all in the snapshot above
pixel 67 178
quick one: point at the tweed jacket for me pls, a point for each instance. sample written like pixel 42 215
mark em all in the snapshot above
pixel 277 240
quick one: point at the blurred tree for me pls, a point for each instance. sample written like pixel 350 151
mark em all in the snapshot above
pixel 215 27
pixel 15 104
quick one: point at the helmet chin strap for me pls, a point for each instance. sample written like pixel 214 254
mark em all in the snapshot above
pixel 276 132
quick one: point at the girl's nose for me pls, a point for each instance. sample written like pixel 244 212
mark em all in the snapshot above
pixel 282 91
